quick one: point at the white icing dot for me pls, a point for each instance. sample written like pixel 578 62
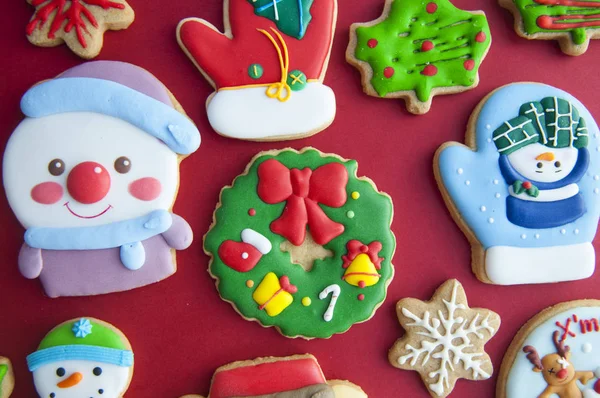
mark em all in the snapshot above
pixel 523 236
pixel 126 162
pixel 537 236
pixel 482 208
pixel 563 231
pixel 97 170
pixel 244 255
pixel 467 182
pixel 491 220
pixel 487 126
pixel 496 182
pixel 576 232
pixel 596 190
pixel 459 171
pixel 596 178
pixel 58 164
pixel 489 140
pixel 586 348
pixel 497 195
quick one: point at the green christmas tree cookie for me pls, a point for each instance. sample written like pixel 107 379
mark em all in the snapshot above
pixel 418 49
pixel 301 243
pixel 7 379
pixel 573 23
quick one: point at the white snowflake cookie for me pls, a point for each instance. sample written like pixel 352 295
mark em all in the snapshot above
pixel 444 339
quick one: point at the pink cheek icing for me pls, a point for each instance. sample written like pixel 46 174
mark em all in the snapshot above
pixel 145 189
pixel 47 193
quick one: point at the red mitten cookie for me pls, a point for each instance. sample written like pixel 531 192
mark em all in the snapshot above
pixel 267 67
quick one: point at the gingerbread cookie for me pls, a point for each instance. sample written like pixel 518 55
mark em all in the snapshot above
pixel 416 50
pixel 555 354
pixel 267 68
pixel 572 23
pixel 301 243
pixel 525 188
pixel 78 23
pixel 297 376
pixel 444 339
pixel 7 378
pixel 83 357
pixel 103 142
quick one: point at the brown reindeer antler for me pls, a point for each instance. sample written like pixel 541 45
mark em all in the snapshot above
pixel 533 357
pixel 561 348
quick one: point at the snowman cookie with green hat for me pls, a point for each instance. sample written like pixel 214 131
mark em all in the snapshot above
pixel 83 357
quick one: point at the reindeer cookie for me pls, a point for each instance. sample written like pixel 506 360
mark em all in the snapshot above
pixel 555 354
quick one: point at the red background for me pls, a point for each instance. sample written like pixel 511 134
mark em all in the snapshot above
pixel 180 330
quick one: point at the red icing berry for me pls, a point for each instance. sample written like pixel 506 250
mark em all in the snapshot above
pixel 361 284
pixel 526 185
pixel 431 8
pixel 372 43
pixel 252 212
pixel 469 64
pixel 430 70
pixel 88 182
pixel 597 386
pixel 361 297
pixel 427 46
pixel 388 72
pixel 480 37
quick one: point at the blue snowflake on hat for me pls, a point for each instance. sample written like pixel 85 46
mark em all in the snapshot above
pixel 82 358
pixel 528 187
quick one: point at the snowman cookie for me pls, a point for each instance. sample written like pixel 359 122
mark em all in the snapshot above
pixel 83 357
pixel 267 68
pixel 296 376
pixel 526 188
pixel 92 173
pixel 7 378
pixel 301 243
pixel 555 354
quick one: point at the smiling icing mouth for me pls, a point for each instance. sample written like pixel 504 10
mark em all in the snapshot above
pixel 87 217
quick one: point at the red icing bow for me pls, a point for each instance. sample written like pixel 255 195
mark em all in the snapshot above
pixel 303 190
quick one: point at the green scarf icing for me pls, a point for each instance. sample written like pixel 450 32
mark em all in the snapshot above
pixel 552 14
pixel 291 16
pixel 371 222
pixel 395 47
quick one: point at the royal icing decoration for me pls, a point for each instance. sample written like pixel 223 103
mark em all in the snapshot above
pixel 531 202
pixel 303 254
pixel 82 358
pixel 295 376
pixel 96 200
pixel 7 378
pixel 573 23
pixel 272 89
pixel 444 339
pixel 418 49
pixel 78 23
pixel 555 356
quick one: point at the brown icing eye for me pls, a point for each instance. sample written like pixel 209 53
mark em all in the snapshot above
pixel 556 164
pixel 56 167
pixel 123 165
pixel 539 165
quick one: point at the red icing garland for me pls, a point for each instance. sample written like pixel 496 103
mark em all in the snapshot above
pixel 356 247
pixel 73 15
pixel 266 378
pixel 568 3
pixel 303 191
pixel 554 23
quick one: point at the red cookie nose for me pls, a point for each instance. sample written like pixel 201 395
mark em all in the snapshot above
pixel 561 374
pixel 88 182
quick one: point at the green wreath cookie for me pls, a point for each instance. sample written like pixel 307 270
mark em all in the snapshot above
pixel 301 243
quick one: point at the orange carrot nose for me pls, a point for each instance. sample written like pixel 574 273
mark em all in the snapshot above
pixel 549 156
pixel 71 381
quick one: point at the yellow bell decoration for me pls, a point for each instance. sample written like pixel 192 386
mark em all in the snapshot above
pixel 361 263
pixel 274 294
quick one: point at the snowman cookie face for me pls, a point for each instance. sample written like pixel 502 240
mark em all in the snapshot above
pixel 537 162
pixel 85 169
pixel 77 378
